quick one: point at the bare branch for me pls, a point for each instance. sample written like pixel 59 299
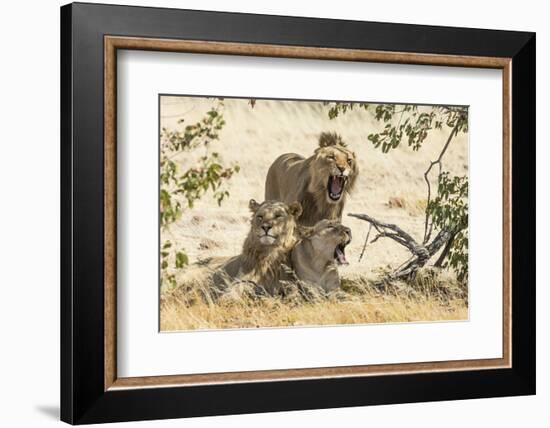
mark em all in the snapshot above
pixel 428 230
pixel 378 224
pixel 420 253
pixel 412 266
pixel 365 244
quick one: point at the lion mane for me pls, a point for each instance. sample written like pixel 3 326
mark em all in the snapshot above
pixel 320 182
pixel 272 235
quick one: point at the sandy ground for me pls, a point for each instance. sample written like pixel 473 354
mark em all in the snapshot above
pixel 254 137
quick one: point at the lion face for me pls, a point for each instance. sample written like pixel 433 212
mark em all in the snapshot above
pixel 329 239
pixel 273 223
pixel 335 168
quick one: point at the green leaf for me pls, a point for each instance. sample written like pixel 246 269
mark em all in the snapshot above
pixel 181 259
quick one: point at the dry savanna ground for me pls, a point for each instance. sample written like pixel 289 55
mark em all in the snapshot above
pixel 390 188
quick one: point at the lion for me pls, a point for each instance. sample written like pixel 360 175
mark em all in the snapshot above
pixel 273 233
pixel 322 248
pixel 320 183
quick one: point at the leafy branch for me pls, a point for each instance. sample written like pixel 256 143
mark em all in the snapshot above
pixel 179 190
pixel 448 211
pixel 427 225
pixel 338 108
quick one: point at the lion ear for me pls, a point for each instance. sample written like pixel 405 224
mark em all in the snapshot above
pixel 295 209
pixel 305 232
pixel 253 205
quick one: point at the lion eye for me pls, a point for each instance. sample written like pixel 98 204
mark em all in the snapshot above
pixel 331 157
pixel 349 162
pixel 260 218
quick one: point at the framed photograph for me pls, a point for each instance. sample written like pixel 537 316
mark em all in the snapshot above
pixel 265 213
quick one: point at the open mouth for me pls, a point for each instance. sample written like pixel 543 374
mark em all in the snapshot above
pixel 340 254
pixel 335 186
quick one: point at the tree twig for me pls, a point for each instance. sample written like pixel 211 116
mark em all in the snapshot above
pixel 365 244
pixel 428 230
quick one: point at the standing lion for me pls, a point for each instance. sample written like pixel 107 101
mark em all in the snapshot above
pixel 320 183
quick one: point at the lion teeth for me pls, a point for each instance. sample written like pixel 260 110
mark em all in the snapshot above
pixel 336 186
pixel 341 256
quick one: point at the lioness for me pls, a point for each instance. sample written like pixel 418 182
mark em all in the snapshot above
pixel 273 233
pixel 320 183
pixel 322 248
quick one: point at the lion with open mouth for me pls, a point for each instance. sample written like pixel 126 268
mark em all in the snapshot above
pixel 316 257
pixel 320 183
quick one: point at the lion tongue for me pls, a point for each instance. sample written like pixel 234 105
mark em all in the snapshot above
pixel 340 255
pixel 336 185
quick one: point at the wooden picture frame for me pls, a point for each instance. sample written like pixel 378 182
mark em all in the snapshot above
pixel 91 391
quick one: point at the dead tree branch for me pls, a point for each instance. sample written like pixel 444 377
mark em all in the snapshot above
pixel 394 232
pixel 421 253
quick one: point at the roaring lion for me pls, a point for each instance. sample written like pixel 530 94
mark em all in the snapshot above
pixel 320 183
pixel 316 257
pixel 273 233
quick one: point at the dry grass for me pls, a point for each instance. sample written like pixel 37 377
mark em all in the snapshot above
pixel 414 207
pixel 432 297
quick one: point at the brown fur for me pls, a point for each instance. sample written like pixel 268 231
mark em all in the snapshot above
pixel 313 258
pixel 294 178
pixel 262 257
pixel 331 139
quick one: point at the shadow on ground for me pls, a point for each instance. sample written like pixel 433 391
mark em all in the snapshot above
pixel 49 410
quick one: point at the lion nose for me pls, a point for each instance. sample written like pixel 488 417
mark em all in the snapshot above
pixel 342 169
pixel 266 227
pixel 347 230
